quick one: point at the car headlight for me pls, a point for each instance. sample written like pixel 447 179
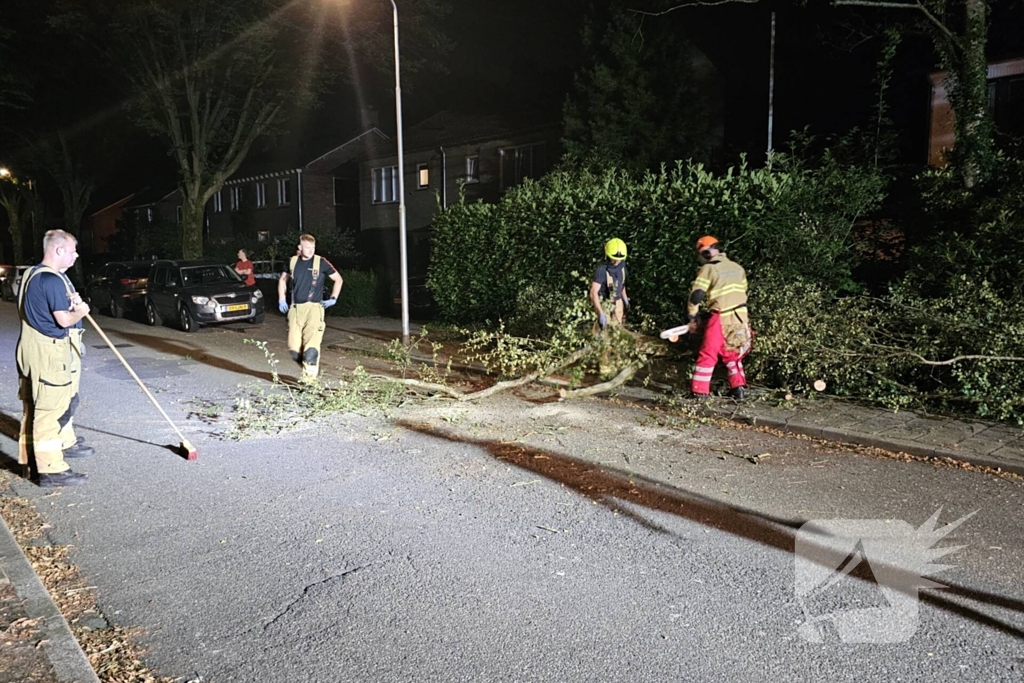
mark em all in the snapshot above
pixel 201 300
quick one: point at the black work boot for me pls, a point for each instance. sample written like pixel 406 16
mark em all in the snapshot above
pixel 65 478
pixel 739 393
pixel 79 450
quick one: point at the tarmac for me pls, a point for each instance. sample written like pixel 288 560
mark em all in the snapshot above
pixel 977 442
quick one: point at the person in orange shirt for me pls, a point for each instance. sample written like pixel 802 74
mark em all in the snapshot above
pixel 245 267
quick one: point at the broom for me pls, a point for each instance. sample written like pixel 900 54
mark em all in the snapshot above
pixel 186 449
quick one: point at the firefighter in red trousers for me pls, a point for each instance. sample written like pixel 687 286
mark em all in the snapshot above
pixel 721 285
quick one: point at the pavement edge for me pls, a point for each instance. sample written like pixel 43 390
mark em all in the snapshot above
pixel 62 648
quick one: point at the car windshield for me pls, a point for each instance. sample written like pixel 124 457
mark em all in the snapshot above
pixel 137 271
pixel 207 275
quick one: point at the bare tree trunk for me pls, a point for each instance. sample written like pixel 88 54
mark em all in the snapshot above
pixel 191 227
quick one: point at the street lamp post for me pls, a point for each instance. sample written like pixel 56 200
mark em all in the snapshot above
pixel 403 256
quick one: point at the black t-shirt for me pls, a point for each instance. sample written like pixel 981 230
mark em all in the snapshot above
pixel 45 294
pixel 306 288
pixel 618 273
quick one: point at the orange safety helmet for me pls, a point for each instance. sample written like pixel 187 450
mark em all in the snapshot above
pixel 706 242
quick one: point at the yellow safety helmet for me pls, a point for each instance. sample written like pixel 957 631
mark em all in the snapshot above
pixel 615 249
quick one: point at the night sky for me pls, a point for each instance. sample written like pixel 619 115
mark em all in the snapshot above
pixel 522 55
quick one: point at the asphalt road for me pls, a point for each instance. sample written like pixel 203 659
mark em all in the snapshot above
pixel 512 541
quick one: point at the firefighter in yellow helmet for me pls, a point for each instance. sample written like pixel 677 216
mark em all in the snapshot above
pixel 721 285
pixel 608 287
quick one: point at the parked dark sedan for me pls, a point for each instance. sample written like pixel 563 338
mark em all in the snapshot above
pixel 196 293
pixel 119 286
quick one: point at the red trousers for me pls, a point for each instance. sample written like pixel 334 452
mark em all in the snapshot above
pixel 711 350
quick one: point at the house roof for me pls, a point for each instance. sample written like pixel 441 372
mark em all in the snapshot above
pixel 448 128
pixel 149 196
pixel 319 154
pixel 114 205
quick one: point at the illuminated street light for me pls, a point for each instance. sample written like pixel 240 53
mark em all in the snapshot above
pixel 4 173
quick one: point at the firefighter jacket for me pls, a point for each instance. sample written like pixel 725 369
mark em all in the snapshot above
pixel 722 284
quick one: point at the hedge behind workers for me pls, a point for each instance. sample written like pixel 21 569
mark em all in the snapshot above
pixel 49 356
pixel 308 273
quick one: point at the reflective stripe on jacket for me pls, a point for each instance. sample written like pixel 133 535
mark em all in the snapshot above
pixel 724 283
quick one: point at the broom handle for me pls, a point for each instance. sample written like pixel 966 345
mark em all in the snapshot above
pixel 134 376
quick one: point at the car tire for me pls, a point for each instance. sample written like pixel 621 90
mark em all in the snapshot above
pixel 188 323
pixel 258 319
pixel 116 308
pixel 152 316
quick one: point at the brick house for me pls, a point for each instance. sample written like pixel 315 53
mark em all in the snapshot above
pixel 311 194
pixel 1005 99
pixel 135 212
pixel 485 155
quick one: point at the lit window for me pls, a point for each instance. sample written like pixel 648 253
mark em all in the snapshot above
pixel 385 185
pixel 261 195
pixel 218 201
pixel 422 176
pixel 149 214
pixel 235 196
pixel 473 169
pixel 284 191
pixel 263 236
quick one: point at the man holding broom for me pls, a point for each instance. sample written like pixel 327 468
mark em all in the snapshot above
pixel 49 355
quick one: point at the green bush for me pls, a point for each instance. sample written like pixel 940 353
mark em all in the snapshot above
pixel 793 216
pixel 358 295
pixel 948 335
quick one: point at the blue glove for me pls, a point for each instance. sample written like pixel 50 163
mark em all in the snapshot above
pixel 602 320
pixel 283 307
pixel 330 302
pixel 625 301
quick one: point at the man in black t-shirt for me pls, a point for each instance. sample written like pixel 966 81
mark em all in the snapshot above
pixel 308 273
pixel 49 355
pixel 609 285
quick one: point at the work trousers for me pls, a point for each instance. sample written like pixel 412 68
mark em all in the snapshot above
pixel 50 374
pixel 712 349
pixel 305 334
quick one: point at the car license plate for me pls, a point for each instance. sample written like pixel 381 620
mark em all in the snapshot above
pixel 237 307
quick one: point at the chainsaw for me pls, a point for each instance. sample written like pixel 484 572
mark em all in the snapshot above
pixel 674 333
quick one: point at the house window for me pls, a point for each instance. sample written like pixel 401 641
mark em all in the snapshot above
pixel 177 214
pixel 522 162
pixel 263 236
pixel 473 169
pixel 235 196
pixel 385 185
pixel 149 214
pixel 422 176
pixel 218 201
pixel 284 191
pixel 261 195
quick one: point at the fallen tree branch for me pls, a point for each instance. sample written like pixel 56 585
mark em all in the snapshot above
pixel 526 379
pixel 426 386
pixel 957 359
pixel 495 388
pixel 624 376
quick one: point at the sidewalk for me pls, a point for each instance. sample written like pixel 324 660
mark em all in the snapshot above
pixel 987 444
pixel 64 659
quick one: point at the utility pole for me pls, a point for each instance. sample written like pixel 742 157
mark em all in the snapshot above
pixel 771 87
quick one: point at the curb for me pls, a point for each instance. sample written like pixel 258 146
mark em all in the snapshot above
pixel 62 649
pixel 895 445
